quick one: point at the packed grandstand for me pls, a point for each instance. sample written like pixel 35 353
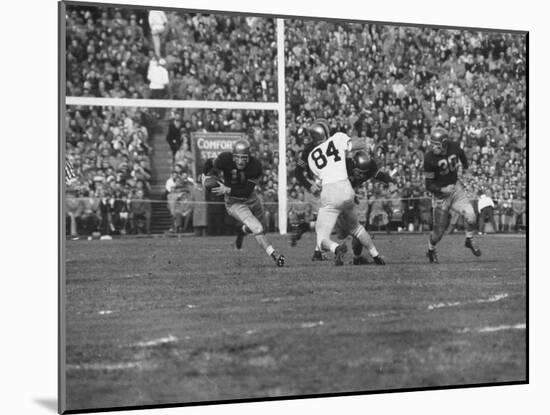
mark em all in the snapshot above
pixel 387 84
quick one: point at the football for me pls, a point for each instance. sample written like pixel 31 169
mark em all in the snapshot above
pixel 210 182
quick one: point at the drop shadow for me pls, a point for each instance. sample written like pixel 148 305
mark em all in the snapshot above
pixel 48 403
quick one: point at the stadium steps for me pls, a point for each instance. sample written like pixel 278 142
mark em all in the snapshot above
pixel 161 165
pixel 161 220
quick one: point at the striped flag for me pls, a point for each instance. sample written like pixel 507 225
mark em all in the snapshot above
pixel 70 175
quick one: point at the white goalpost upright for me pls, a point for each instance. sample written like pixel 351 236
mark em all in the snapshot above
pixel 282 173
pixel 278 106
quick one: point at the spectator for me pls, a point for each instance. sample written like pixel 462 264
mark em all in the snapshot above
pixel 507 213
pixel 120 208
pixel 158 79
pixel 271 208
pixel 157 23
pixel 171 181
pixel 519 209
pixel 411 215
pixel 140 213
pixel 90 218
pixel 180 207
pixel 73 207
pixel 379 209
pixel 199 208
pixel 395 206
pixel 486 211
pixel 174 136
pixel 106 224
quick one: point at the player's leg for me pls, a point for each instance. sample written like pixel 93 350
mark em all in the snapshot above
pixel 359 234
pixel 357 249
pixel 257 210
pixel 461 204
pixel 326 219
pixel 440 224
pixel 342 230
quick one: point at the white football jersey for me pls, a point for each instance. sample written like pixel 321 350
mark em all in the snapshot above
pixel 328 160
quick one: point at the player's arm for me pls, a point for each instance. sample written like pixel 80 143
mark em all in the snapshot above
pixel 301 172
pixel 429 178
pixel 383 177
pixel 380 175
pixel 242 190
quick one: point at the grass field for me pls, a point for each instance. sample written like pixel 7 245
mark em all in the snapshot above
pixel 168 320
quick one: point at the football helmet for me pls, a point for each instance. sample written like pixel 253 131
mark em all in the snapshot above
pixel 241 153
pixel 361 160
pixel 319 130
pixel 439 140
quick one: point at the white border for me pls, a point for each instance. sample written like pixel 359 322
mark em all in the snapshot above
pixel 29 147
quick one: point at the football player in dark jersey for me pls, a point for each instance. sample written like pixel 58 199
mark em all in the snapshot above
pixel 240 173
pixel 360 168
pixel 441 175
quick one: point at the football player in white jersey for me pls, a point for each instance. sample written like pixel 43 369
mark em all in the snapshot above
pixel 327 161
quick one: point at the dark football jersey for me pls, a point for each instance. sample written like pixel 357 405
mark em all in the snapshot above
pixel 443 169
pixel 241 182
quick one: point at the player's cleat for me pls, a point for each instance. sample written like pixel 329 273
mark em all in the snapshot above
pixel 432 256
pixel 360 260
pixel 378 260
pixel 339 254
pixel 318 256
pixel 468 243
pixel 240 238
pixel 278 258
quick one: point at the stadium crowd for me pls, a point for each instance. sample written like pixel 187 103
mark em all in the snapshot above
pixel 392 84
pixel 110 154
pixel 387 84
pixel 111 53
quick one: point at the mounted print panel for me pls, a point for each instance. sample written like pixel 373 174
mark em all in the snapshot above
pixel 280 207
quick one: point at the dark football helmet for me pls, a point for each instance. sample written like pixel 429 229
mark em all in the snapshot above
pixel 241 153
pixel 439 140
pixel 319 130
pixel 361 160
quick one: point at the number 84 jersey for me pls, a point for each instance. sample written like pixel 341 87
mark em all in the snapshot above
pixel 327 160
pixel 443 169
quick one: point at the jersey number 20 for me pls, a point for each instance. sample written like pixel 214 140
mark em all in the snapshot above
pixel 321 160
pixel 448 165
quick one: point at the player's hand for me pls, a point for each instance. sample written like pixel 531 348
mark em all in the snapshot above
pixel 447 190
pixel 315 189
pixel 221 190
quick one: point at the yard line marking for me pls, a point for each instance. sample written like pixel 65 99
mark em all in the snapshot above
pixel 498 328
pixel 157 342
pixel 311 325
pixel 381 314
pixel 490 329
pixel 270 300
pixel 111 366
pixel 491 299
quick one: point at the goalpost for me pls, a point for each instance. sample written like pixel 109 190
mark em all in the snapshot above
pixel 278 106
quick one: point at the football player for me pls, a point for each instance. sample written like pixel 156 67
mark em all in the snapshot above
pixel 360 168
pixel 327 161
pixel 240 173
pixel 441 176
